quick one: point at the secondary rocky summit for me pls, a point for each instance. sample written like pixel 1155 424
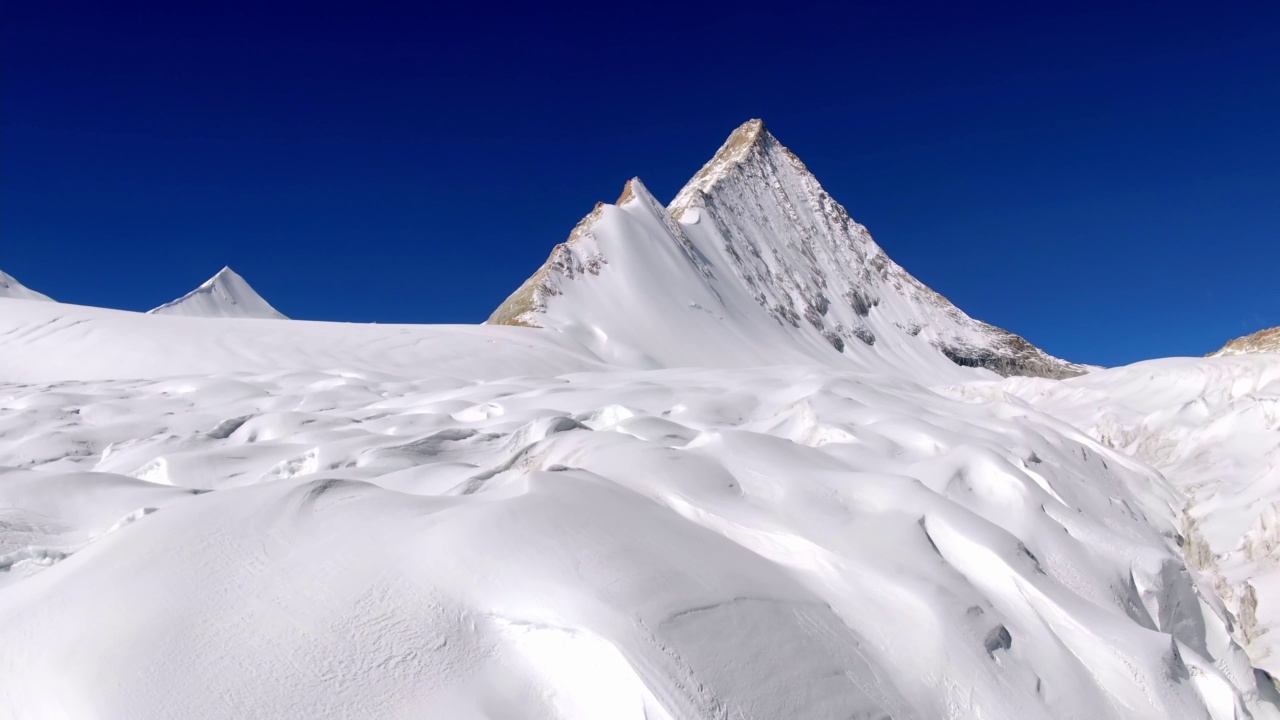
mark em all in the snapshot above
pixel 1260 342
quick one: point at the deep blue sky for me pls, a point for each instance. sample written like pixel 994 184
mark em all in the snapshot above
pixel 1104 180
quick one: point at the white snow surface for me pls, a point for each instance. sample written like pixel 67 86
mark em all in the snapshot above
pixel 1212 427
pixel 390 521
pixel 225 295
pixel 11 288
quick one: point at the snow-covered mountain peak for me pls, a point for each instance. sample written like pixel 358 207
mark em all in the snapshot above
pixel 750 138
pixel 224 295
pixel 754 252
pixel 11 288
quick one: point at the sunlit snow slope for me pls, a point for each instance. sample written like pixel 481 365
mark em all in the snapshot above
pixel 11 288
pixel 225 295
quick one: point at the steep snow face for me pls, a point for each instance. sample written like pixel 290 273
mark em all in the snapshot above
pixel 225 295
pixel 11 288
pixel 1212 427
pixel 1263 341
pixel 754 253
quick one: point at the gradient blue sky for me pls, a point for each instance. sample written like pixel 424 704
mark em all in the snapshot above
pixel 1103 179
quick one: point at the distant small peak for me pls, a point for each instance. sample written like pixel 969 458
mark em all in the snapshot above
pixel 226 294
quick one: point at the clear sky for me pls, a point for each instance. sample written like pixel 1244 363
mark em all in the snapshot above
pixel 1102 179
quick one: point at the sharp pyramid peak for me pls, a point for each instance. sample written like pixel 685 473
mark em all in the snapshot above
pixel 750 140
pixel 746 136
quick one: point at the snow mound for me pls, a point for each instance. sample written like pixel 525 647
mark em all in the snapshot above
pixel 753 263
pixel 225 295
pixel 11 288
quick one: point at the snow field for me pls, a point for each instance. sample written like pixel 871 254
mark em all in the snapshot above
pixel 785 542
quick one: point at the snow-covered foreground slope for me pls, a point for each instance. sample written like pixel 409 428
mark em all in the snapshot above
pixel 11 288
pixel 225 295
pixel 381 521
pixel 1212 427
pixel 753 263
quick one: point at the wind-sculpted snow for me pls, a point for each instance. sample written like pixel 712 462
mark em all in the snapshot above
pixel 1212 427
pixel 772 543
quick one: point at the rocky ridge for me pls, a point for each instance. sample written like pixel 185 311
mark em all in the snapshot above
pixel 1262 341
